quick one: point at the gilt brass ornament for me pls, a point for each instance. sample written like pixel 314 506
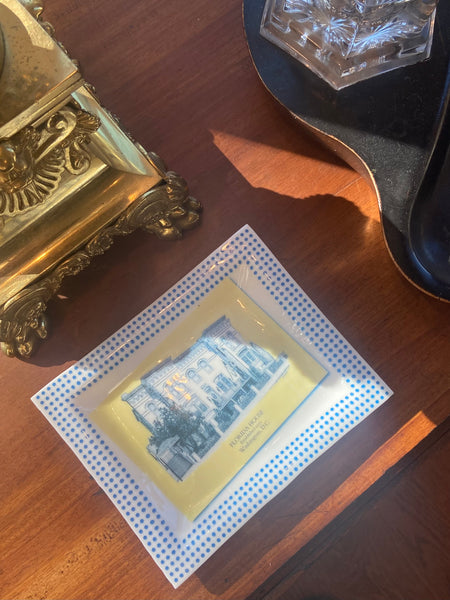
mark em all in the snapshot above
pixel 71 179
pixel 32 161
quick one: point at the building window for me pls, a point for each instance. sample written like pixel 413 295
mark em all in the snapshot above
pixel 247 356
pixel 223 383
pixel 203 364
pixel 210 392
pixel 193 375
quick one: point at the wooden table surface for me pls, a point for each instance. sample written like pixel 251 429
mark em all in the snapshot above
pixel 369 518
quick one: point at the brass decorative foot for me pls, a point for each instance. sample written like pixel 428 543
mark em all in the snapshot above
pixel 165 210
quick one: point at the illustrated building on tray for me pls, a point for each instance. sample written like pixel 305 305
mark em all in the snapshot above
pixel 189 402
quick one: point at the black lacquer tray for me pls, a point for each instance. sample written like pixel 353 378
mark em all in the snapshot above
pixel 395 129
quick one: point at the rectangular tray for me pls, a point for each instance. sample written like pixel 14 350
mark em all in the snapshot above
pixel 243 282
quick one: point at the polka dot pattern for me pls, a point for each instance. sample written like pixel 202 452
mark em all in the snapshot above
pixel 59 401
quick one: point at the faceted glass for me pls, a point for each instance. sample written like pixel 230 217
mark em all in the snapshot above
pixel 346 41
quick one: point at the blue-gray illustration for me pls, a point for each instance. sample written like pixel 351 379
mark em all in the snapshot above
pixel 188 403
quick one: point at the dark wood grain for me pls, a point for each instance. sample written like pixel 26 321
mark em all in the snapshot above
pixel 394 545
pixel 180 78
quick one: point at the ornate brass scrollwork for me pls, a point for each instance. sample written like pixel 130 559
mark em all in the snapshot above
pixel 165 210
pixel 32 161
pixel 36 8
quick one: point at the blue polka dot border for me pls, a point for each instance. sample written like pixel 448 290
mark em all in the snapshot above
pixel 178 556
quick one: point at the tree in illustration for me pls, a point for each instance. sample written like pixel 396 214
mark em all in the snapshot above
pixel 174 422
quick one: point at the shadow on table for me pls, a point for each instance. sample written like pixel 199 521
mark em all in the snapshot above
pixel 328 233
pixel 136 270
pixel 278 523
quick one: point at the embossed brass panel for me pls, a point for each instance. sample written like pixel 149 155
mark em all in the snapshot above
pixel 70 178
pixel 36 74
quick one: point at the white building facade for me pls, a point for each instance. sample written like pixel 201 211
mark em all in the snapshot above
pixel 188 403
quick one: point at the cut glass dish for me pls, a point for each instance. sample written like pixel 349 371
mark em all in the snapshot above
pixel 346 41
